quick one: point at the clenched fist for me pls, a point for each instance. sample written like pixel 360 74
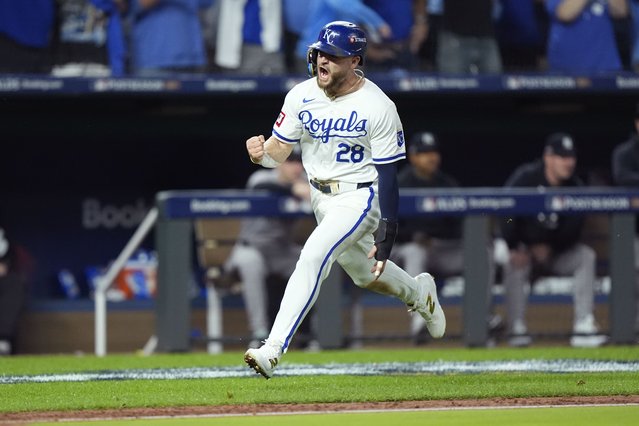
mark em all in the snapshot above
pixel 255 148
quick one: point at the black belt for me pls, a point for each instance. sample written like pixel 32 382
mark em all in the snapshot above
pixel 333 187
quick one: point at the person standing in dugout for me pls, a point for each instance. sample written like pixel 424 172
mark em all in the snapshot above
pixel 351 138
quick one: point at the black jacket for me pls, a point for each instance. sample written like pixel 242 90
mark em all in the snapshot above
pixel 559 231
pixel 443 227
pixel 625 163
pixel 625 166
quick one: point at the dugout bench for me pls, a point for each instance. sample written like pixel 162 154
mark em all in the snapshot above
pixel 178 209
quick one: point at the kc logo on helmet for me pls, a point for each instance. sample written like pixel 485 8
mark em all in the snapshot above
pixel 329 35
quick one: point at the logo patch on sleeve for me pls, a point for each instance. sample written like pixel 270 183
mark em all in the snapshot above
pixel 280 119
pixel 400 138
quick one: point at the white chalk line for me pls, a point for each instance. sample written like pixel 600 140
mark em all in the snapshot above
pixel 337 369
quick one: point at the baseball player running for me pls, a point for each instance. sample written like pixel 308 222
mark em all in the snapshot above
pixel 351 138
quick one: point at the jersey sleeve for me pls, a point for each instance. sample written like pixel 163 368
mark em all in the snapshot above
pixel 288 127
pixel 387 141
pixel 551 7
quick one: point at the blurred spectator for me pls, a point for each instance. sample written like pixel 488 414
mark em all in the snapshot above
pixel 13 294
pixel 625 172
pixel 89 38
pixel 209 18
pixel 249 37
pixel 266 252
pixel 322 12
pixel 521 27
pixel 408 22
pixel 428 51
pixel 25 36
pixel 581 38
pixel 549 244
pixel 295 14
pixel 467 42
pixel 166 37
pixel 429 243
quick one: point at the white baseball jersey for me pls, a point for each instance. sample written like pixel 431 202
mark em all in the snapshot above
pixel 341 139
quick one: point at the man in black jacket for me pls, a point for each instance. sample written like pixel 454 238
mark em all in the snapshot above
pixel 549 244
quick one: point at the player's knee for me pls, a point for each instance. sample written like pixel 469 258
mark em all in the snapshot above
pixel 251 257
pixel 587 255
pixel 310 259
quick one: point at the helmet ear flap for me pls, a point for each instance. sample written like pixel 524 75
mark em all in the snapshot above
pixel 311 60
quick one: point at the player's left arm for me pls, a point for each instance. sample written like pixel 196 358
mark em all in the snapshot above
pixel 388 194
pixel 388 147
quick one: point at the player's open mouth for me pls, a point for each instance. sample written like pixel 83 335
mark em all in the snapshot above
pixel 322 73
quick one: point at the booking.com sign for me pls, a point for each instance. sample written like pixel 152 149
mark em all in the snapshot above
pixel 97 214
pixel 591 203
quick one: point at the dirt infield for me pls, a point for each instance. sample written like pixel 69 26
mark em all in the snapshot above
pixel 256 409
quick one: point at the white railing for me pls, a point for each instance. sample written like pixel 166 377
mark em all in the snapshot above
pixel 105 281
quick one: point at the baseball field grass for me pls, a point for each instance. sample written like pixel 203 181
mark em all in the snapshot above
pixel 39 384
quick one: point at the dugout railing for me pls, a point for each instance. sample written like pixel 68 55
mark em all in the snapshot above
pixel 177 210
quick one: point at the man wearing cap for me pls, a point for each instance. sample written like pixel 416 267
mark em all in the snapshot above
pixel 428 243
pixel 549 244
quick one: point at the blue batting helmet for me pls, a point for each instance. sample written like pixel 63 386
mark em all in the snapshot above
pixel 338 38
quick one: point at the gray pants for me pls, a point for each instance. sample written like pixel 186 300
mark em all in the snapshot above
pixel 578 262
pixel 254 266
pixel 467 55
pixel 256 61
pixel 438 257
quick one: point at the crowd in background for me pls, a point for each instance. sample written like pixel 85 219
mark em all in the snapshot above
pixel 270 37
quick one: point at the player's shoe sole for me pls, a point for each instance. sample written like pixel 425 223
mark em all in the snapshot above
pixel 429 308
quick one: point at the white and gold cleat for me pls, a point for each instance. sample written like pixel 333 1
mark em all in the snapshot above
pixel 264 359
pixel 427 305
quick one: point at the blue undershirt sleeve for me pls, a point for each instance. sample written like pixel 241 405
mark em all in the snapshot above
pixel 388 191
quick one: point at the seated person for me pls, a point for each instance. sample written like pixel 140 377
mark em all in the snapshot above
pixel 549 243
pixel 428 243
pixel 266 249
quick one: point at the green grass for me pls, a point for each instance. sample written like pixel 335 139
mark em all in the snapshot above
pixel 162 393
pixel 159 393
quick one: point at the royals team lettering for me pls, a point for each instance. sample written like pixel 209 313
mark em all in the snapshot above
pixel 326 128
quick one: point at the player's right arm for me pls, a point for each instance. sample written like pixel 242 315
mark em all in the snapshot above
pixel 287 132
pixel 270 153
